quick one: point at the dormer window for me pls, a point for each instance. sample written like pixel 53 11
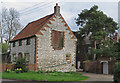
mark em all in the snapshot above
pixel 28 41
pixel 20 42
pixel 57 40
pixel 13 44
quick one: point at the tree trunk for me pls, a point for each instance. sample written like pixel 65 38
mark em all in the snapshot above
pixel 1 35
pixel 95 48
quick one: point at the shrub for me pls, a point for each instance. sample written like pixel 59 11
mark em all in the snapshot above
pixel 21 63
pixel 7 70
pixel 86 61
pixel 72 64
pixel 117 73
pixel 39 71
pixel 19 70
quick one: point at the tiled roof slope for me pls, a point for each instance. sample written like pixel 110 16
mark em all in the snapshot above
pixel 32 28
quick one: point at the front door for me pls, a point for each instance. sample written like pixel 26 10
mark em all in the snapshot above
pixel 78 65
pixel 105 68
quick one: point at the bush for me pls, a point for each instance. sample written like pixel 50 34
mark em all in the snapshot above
pixel 7 70
pixel 86 61
pixel 21 63
pixel 19 70
pixel 40 71
pixel 117 73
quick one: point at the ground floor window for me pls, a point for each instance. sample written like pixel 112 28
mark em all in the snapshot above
pixel 20 55
pixel 14 57
pixel 68 57
pixel 27 56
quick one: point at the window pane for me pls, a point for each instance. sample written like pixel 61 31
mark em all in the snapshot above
pixel 20 55
pixel 14 57
pixel 27 56
pixel 20 42
pixel 28 41
pixel 68 58
pixel 13 44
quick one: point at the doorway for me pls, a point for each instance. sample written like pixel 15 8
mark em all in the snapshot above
pixel 78 65
pixel 105 67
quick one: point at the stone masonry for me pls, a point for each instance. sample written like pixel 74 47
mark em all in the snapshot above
pixel 24 49
pixel 42 54
pixel 50 59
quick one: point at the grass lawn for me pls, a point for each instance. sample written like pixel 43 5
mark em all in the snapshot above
pixel 55 76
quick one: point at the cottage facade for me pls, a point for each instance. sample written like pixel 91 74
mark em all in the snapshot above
pixel 48 43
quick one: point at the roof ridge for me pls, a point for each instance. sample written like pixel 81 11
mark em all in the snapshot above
pixel 42 17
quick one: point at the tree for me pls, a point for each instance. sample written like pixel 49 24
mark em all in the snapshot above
pixel 10 23
pixel 100 27
pixel 115 51
pixel 4 47
pixel 1 34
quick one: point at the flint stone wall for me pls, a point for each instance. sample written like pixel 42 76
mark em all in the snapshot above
pixel 50 59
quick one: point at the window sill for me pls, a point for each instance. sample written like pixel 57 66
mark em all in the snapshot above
pixel 57 48
pixel 27 44
pixel 68 62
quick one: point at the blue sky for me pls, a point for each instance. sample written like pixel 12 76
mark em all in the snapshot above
pixel 30 11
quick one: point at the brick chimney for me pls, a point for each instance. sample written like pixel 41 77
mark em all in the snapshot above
pixel 57 10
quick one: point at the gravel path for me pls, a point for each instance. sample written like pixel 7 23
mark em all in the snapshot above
pixel 98 77
pixel 6 80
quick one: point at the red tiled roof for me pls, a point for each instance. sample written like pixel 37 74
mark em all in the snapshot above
pixel 32 28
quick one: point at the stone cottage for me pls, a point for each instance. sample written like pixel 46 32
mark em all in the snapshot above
pixel 47 43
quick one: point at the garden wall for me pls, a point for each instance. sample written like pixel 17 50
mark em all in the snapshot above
pixel 10 66
pixel 90 67
pixel 97 67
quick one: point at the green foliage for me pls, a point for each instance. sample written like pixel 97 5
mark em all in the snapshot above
pixel 101 29
pixel 72 64
pixel 39 71
pixel 21 63
pixel 7 71
pixel 95 21
pixel 117 72
pixel 19 70
pixel 112 50
pixel 4 47
pixel 115 51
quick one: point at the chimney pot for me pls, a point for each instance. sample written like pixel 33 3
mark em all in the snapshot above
pixel 57 10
